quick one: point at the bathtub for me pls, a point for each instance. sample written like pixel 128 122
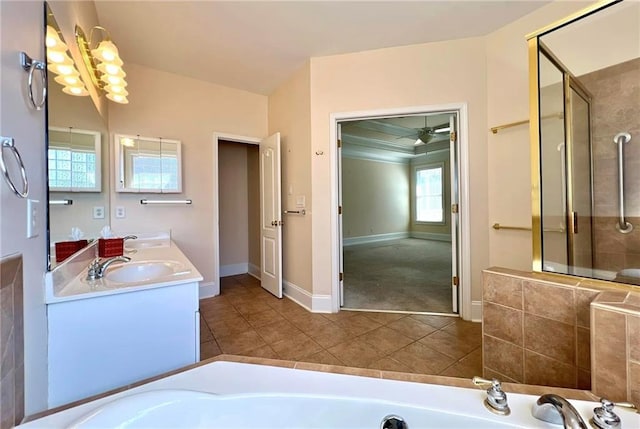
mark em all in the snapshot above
pixel 239 395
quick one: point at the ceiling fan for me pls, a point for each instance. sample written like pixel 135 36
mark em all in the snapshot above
pixel 427 133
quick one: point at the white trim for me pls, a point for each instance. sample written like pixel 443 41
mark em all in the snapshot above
pixel 431 236
pixel 374 238
pixel 313 303
pixel 234 269
pixel 215 218
pixel 476 311
pixel 465 250
pixel 254 271
pixel 370 155
pixel 208 289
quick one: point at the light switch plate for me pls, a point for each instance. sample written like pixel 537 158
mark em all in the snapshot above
pixel 300 201
pixel 121 213
pixel 33 212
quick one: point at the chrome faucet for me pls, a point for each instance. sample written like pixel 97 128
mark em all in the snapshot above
pixel 557 410
pixel 496 400
pixel 97 268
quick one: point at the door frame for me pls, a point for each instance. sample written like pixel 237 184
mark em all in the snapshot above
pixel 217 136
pixel 463 189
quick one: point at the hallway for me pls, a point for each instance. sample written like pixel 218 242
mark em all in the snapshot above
pixel 248 321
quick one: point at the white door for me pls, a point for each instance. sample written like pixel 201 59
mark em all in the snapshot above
pixel 271 215
pixel 455 208
pixel 341 267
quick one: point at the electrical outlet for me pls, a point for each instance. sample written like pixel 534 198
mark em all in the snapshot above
pixel 33 211
pixel 121 213
pixel 98 212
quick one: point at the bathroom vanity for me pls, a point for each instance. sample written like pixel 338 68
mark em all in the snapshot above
pixel 140 320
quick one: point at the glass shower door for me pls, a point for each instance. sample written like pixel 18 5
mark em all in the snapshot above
pixel 579 179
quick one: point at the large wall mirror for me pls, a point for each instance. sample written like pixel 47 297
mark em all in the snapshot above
pixel 585 124
pixel 78 158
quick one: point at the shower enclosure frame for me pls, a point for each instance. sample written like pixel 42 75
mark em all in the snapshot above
pixel 570 85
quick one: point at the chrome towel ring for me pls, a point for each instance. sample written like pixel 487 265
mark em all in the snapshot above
pixel 32 66
pixel 8 143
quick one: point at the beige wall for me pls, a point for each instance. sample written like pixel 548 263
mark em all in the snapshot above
pixel 392 78
pixel 167 105
pixel 253 207
pixel 509 169
pixel 439 158
pixel 22 29
pixel 289 114
pixel 233 203
pixel 375 197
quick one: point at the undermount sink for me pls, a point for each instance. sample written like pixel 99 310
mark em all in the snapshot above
pixel 144 271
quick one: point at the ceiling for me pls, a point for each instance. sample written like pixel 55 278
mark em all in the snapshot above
pixel 393 138
pixel 258 45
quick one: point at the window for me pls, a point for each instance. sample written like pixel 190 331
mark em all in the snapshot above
pixel 154 172
pixel 71 169
pixel 429 195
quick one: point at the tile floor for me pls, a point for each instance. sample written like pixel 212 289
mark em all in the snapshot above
pixel 246 320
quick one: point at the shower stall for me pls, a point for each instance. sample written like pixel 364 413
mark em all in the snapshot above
pixel 589 146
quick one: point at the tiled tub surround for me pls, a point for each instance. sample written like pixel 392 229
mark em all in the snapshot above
pixel 615 321
pixel 536 330
pixel 615 109
pixel 11 342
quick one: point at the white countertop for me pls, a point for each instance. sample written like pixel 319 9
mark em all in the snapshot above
pixel 67 287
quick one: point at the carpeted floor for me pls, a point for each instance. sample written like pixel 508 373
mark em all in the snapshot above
pixel 398 275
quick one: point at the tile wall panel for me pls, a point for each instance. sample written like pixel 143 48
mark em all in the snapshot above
pixel 11 342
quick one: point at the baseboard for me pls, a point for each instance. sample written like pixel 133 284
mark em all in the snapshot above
pixel 208 289
pixel 374 238
pixel 313 303
pixel 476 311
pixel 431 236
pixel 254 271
pixel 234 269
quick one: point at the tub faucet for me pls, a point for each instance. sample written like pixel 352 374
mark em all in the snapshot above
pixel 496 400
pixel 97 268
pixel 557 410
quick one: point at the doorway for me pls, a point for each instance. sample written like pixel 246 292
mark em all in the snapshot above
pixel 239 208
pixel 264 260
pixel 400 233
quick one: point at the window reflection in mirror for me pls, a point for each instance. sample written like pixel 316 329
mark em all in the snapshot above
pixel 74 160
pixel 68 154
pixel 146 164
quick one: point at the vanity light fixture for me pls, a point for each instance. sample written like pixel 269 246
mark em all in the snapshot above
pixel 104 64
pixel 59 62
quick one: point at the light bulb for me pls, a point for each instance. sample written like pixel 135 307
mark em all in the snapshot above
pixel 62 69
pixel 75 90
pixel 56 56
pixel 117 98
pixel 111 69
pixel 70 80
pixel 128 142
pixel 113 80
pixel 52 40
pixel 107 52
pixel 114 89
